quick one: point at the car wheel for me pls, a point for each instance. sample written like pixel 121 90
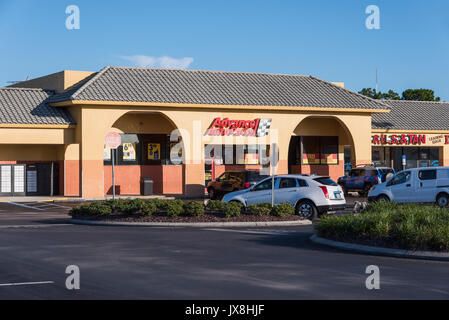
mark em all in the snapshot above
pixel 212 193
pixel 383 198
pixel 306 209
pixel 443 200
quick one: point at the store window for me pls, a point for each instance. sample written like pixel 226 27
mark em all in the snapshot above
pixel 319 150
pixel 143 149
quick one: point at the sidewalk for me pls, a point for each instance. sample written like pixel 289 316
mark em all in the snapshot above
pixel 73 199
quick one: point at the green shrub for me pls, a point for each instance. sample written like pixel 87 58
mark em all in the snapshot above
pixel 94 208
pixel 194 208
pixel 173 208
pixel 133 206
pixel 283 209
pixel 259 209
pixel 117 205
pixel 407 226
pixel 149 208
pixel 75 211
pixel 159 203
pixel 215 205
pixel 232 209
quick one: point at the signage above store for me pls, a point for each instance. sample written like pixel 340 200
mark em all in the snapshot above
pixel 255 128
pixel 409 139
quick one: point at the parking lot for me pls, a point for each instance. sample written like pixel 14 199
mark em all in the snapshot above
pixel 38 243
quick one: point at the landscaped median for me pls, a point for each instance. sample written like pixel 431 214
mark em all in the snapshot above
pixel 389 228
pixel 179 213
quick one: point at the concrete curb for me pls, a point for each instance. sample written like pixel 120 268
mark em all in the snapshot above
pixel 192 224
pixel 398 253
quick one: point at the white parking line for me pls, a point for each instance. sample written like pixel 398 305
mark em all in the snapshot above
pixel 25 206
pixel 25 283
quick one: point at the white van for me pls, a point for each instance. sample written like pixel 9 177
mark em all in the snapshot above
pixel 420 185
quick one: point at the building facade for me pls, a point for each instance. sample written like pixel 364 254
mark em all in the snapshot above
pixel 182 128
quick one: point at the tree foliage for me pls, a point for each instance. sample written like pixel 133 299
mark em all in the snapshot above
pixel 409 94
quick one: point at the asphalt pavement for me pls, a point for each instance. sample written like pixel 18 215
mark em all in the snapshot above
pixel 36 246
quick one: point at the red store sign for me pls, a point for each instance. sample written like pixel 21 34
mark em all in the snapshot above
pixel 256 128
pixel 407 139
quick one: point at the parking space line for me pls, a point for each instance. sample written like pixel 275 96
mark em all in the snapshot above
pixel 25 206
pixel 25 283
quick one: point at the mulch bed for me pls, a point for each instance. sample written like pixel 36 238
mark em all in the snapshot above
pixel 207 217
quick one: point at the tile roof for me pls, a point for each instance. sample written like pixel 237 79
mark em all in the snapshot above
pixel 29 106
pixel 214 87
pixel 413 115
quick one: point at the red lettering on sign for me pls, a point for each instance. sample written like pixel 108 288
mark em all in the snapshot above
pixel 394 139
pixel 228 127
pixel 422 139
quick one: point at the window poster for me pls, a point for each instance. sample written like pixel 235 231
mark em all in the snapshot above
pixel 251 158
pixel 329 158
pixel 106 153
pixel 311 158
pixel 129 151
pixel 154 151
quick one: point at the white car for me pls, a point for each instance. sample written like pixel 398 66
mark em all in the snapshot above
pixel 310 195
pixel 419 185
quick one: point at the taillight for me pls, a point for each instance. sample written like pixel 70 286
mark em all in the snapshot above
pixel 326 193
pixel 246 185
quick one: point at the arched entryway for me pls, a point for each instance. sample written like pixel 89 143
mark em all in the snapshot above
pixel 145 151
pixel 317 146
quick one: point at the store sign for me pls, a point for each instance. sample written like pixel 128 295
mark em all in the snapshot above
pixel 112 140
pixel 255 128
pixel 410 139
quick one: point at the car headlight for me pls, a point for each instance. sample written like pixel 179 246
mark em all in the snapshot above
pixel 374 187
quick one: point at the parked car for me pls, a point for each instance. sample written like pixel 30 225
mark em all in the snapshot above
pixel 232 181
pixel 419 185
pixel 310 195
pixel 362 179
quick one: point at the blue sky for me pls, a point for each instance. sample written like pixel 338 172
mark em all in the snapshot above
pixel 324 38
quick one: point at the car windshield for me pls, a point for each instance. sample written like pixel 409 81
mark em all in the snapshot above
pixel 386 171
pixel 326 181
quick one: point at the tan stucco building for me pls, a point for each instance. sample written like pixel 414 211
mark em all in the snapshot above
pixel 182 128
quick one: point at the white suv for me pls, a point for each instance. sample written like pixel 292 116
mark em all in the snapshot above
pixel 310 195
pixel 420 185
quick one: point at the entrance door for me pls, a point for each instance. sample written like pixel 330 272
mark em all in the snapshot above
pixel 12 180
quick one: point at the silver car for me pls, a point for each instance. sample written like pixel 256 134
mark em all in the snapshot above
pixel 310 195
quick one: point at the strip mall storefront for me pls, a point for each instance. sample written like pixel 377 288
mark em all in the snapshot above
pixel 181 129
pixel 404 150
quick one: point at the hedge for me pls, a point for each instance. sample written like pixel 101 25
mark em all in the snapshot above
pixel 175 208
pixel 404 226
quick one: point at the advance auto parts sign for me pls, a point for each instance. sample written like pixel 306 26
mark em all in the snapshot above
pixel 226 127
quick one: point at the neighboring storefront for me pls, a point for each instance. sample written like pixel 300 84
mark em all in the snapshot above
pixel 414 134
pixel 183 128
